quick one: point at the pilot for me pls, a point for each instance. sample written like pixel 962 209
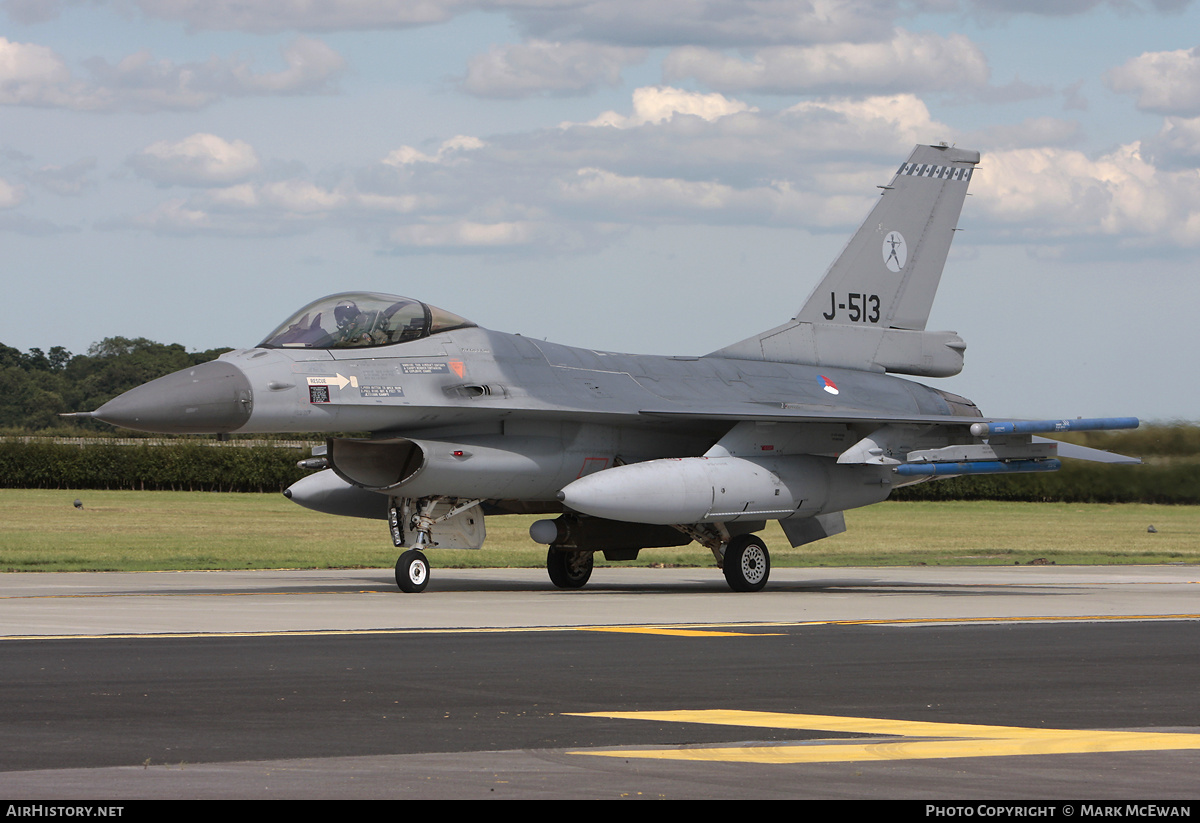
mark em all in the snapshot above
pixel 354 325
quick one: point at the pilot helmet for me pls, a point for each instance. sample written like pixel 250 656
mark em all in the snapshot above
pixel 345 313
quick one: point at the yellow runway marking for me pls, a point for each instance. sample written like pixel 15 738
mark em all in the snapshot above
pixel 901 739
pixel 679 631
pixel 676 632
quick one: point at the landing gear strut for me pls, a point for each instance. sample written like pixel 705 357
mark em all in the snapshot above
pixel 747 564
pixel 568 569
pixel 426 523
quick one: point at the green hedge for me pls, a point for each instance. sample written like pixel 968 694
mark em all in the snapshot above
pixel 200 466
pixel 1171 481
pixel 183 466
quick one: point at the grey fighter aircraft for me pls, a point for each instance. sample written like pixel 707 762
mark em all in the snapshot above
pixel 796 424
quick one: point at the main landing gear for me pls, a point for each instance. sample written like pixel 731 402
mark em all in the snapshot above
pixel 742 557
pixel 746 564
pixel 568 569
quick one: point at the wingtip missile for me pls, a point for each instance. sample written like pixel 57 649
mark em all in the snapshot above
pixel 977 467
pixel 1043 426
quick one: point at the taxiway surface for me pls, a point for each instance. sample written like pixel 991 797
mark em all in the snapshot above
pixel 967 682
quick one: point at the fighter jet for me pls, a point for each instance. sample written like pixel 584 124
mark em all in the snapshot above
pixel 630 452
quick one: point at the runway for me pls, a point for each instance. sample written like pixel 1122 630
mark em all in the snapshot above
pixel 923 683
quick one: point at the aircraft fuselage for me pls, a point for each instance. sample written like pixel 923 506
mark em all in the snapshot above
pixel 474 376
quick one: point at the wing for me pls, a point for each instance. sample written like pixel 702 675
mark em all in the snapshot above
pixel 917 445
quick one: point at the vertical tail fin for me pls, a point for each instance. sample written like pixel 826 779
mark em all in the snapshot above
pixel 869 311
pixel 893 264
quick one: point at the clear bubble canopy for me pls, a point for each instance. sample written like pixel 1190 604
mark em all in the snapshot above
pixel 360 320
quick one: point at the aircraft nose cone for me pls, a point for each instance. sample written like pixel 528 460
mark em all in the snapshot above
pixel 211 397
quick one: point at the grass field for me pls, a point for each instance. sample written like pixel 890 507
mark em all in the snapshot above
pixel 129 531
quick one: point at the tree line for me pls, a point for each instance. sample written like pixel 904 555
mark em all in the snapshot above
pixel 38 385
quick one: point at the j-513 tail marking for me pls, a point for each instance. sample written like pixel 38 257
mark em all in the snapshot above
pixel 870 310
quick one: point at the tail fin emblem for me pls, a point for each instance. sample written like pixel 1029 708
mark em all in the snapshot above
pixel 895 251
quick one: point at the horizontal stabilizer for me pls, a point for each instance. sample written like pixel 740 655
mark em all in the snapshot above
pixel 1075 452
pixel 994 447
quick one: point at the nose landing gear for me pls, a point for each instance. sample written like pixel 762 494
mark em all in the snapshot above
pixel 412 572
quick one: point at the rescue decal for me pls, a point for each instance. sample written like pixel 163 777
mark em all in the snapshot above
pixel 339 380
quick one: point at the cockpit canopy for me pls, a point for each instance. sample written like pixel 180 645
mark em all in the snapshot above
pixel 360 320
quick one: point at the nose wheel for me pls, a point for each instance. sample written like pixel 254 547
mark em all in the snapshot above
pixel 412 572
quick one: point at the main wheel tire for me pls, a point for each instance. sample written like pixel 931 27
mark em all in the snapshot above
pixel 412 572
pixel 568 570
pixel 747 563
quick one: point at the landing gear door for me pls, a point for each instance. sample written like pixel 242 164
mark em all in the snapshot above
pixel 463 530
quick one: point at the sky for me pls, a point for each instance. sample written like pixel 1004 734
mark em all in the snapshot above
pixel 666 177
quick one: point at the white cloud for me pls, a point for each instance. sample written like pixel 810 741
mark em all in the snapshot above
pixel 33 75
pixel 172 217
pixel 714 23
pixel 724 163
pixel 198 160
pixel 28 72
pixel 646 200
pixel 279 207
pixel 906 62
pixel 448 152
pixel 618 22
pixel 312 66
pixel 34 11
pixel 647 194
pixel 11 195
pixel 1032 132
pixel 1051 193
pixel 300 197
pixel 815 165
pixel 873 124
pixel 71 179
pixel 1177 144
pixel 464 234
pixel 542 67
pixel 291 198
pixel 1165 82
pixel 993 9
pixel 306 15
pixel 655 104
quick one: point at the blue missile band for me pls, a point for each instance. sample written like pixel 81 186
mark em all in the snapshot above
pixel 978 467
pixel 1039 426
